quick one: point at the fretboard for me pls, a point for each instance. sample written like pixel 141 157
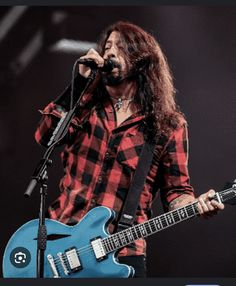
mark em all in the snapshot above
pixel 156 224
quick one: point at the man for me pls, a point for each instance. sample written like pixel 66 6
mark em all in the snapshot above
pixel 125 107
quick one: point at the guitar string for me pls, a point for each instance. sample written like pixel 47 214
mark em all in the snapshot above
pixel 58 263
pixel 152 223
pixel 110 239
pixel 88 260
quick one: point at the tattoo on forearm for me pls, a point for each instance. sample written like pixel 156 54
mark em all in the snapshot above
pixel 173 204
pixel 180 201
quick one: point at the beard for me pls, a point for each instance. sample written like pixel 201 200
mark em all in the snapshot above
pixel 113 79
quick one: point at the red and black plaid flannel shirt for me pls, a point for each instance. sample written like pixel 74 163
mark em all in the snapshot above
pixel 100 159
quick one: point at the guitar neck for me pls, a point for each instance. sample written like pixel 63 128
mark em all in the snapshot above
pixel 149 227
pixel 156 224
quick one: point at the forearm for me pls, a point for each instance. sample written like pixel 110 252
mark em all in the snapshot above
pixel 181 201
pixel 47 124
pixel 53 112
pixel 64 98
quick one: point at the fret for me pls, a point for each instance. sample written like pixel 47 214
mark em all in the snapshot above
pixel 118 238
pixel 116 241
pixel 157 223
pixel 226 196
pixel 196 210
pixel 130 235
pixel 122 238
pixel 153 226
pixel 193 206
pixel 133 229
pixel 182 213
pixel 163 221
pixel 176 216
pixel 111 243
pixel 108 245
pixel 142 230
pixel 218 197
pixel 169 218
pixel 105 245
pixel 189 210
pixel 126 237
pixel 147 227
pixel 138 231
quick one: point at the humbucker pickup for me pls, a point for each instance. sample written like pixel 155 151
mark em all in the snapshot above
pixel 98 248
pixel 73 259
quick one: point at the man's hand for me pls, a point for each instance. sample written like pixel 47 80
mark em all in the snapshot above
pixel 93 55
pixel 208 207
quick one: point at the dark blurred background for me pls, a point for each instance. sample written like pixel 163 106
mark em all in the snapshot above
pixel 200 45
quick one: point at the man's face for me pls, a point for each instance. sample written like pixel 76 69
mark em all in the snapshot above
pixel 114 50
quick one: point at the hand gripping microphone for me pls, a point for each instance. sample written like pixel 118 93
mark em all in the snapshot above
pixel 107 67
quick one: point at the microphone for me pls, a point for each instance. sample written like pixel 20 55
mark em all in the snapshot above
pixel 107 67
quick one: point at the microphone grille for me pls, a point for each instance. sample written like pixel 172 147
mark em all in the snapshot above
pixel 109 65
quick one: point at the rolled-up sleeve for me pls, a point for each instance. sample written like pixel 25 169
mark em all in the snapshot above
pixel 51 115
pixel 55 110
pixel 174 167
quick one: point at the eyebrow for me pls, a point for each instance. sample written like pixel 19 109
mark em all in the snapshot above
pixel 110 42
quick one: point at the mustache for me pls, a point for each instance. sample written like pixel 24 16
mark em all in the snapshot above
pixel 115 63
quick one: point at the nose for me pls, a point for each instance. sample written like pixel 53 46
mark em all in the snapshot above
pixel 110 53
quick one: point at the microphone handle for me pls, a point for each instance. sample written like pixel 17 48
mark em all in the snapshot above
pixel 88 62
pixel 107 67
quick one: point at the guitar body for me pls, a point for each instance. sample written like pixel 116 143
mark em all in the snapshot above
pixel 21 252
pixel 87 250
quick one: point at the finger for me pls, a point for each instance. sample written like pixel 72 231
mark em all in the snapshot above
pixel 211 193
pixel 94 55
pixel 203 204
pixel 97 59
pixel 92 51
pixel 200 210
pixel 210 206
pixel 217 205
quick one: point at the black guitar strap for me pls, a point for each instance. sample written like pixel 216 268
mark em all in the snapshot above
pixel 131 203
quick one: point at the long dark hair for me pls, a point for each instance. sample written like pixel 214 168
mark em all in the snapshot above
pixel 155 90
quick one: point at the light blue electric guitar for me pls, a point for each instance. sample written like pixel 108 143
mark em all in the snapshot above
pixel 87 249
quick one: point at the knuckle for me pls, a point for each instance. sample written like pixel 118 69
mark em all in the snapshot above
pixel 92 51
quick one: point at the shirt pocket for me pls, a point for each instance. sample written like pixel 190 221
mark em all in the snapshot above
pixel 129 150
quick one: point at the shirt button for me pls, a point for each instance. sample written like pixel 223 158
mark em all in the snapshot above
pixel 107 155
pixel 93 201
pixel 99 179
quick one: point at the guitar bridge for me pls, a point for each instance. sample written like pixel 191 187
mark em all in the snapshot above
pixel 98 249
pixel 53 266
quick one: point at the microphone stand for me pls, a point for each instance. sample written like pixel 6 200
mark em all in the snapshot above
pixel 40 173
